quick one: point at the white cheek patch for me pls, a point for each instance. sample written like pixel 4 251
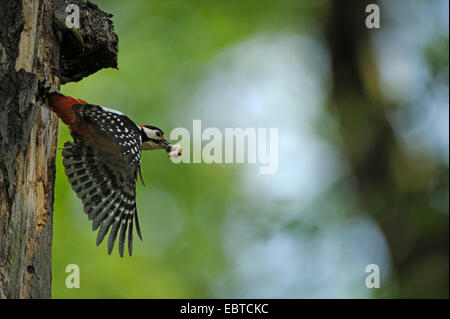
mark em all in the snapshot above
pixel 150 133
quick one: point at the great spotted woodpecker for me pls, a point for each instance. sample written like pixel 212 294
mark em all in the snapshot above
pixel 102 164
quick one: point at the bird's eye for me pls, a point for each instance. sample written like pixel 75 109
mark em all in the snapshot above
pixel 158 133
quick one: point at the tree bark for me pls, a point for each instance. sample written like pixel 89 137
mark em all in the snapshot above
pixel 35 49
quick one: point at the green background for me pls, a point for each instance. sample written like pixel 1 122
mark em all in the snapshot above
pixel 309 230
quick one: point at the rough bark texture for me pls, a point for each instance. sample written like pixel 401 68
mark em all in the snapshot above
pixel 86 50
pixel 34 51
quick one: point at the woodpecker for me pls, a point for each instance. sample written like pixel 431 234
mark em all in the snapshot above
pixel 103 162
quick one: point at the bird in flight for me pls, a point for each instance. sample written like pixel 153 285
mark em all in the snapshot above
pixel 103 162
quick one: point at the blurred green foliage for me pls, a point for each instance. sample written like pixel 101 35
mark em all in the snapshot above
pixel 166 49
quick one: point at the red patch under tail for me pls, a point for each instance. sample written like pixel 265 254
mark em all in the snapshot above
pixel 62 106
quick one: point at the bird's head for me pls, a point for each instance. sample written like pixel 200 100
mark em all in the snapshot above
pixel 153 138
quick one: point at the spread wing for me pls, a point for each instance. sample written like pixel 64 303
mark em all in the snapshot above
pixel 106 184
pixel 109 130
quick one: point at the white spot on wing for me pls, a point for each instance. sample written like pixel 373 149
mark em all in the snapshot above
pixel 111 110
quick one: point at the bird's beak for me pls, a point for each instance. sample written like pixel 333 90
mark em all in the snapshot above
pixel 163 142
pixel 171 150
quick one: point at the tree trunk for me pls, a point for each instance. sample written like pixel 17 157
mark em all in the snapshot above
pixel 35 49
pixel 370 143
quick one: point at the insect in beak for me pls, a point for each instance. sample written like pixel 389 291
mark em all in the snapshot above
pixel 173 150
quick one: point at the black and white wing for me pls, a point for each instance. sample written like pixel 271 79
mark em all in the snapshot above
pixel 106 184
pixel 119 130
